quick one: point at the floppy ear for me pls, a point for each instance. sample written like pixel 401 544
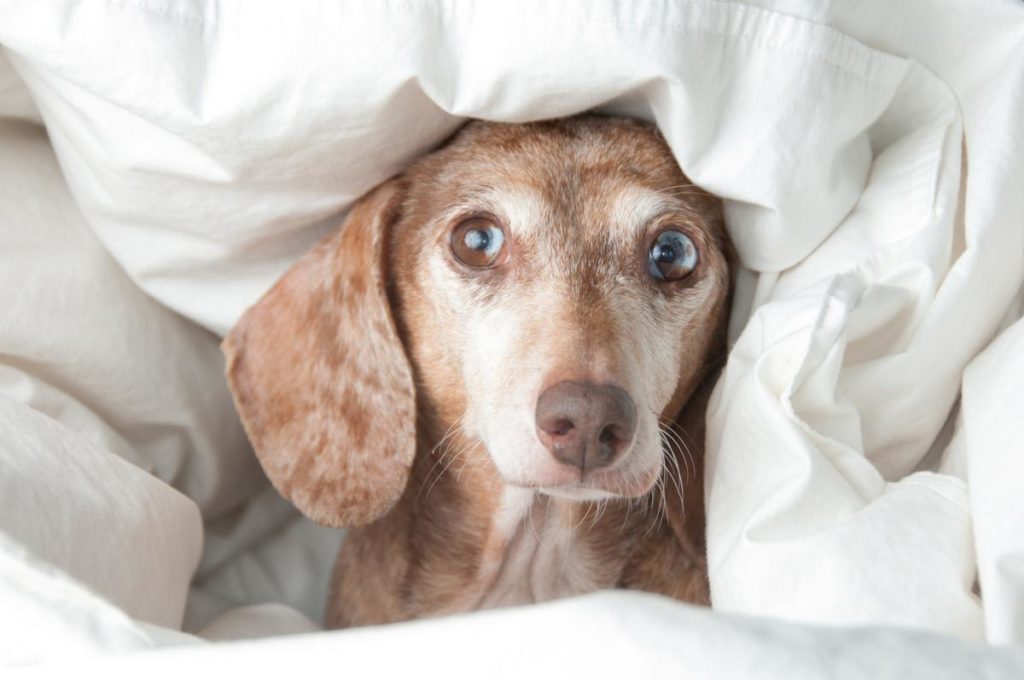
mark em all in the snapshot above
pixel 320 377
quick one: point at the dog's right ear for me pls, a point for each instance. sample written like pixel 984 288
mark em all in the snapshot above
pixel 320 377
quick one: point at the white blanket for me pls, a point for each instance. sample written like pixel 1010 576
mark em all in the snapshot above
pixel 163 161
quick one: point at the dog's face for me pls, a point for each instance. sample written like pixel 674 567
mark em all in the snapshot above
pixel 552 289
pixel 559 285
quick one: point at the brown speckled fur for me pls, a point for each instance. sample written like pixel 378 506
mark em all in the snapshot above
pixel 346 381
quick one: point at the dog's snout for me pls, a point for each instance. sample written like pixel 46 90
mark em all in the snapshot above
pixel 585 425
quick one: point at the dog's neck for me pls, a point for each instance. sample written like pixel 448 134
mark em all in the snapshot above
pixel 514 545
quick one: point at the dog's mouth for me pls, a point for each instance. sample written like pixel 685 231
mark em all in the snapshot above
pixel 598 485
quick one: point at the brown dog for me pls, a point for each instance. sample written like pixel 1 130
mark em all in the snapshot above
pixel 497 370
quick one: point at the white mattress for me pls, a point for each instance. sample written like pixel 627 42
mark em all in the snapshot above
pixel 163 161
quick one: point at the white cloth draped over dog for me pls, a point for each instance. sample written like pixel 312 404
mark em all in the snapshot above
pixel 162 162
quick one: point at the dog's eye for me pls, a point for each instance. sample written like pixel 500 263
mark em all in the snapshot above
pixel 478 242
pixel 672 256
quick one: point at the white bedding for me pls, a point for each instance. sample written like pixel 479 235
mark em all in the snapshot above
pixel 163 161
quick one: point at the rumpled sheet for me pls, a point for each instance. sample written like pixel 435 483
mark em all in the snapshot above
pixel 162 162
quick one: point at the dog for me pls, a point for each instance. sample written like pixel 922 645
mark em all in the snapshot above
pixel 495 373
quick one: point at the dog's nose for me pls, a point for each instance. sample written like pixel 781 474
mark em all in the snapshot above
pixel 585 425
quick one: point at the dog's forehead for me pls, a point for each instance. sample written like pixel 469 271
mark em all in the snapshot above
pixel 584 171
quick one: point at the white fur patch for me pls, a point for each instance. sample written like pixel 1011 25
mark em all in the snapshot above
pixel 636 206
pixel 543 557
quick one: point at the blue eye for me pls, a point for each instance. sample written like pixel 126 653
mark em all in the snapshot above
pixel 478 243
pixel 672 256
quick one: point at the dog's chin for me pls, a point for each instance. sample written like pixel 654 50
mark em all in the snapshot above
pixel 579 493
pixel 597 486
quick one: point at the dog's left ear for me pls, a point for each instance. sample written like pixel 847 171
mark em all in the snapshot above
pixel 321 379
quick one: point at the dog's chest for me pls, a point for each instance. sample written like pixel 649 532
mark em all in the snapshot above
pixel 541 549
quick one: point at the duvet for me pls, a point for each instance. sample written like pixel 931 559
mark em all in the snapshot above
pixel 162 162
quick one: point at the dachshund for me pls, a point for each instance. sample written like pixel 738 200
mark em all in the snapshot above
pixel 496 372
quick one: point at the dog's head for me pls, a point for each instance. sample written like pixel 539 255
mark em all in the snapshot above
pixel 551 289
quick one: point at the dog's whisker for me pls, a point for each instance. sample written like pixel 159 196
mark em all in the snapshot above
pixel 427 476
pixel 467 462
pixel 452 458
pixel 439 451
pixel 689 452
pixel 582 519
pixel 676 433
pixel 438 477
pixel 533 525
pixel 685 189
pixel 448 434
pixel 565 557
pixel 602 506
pixel 596 506
pixel 625 518
pixel 680 450
pixel 677 478
pixel 656 501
